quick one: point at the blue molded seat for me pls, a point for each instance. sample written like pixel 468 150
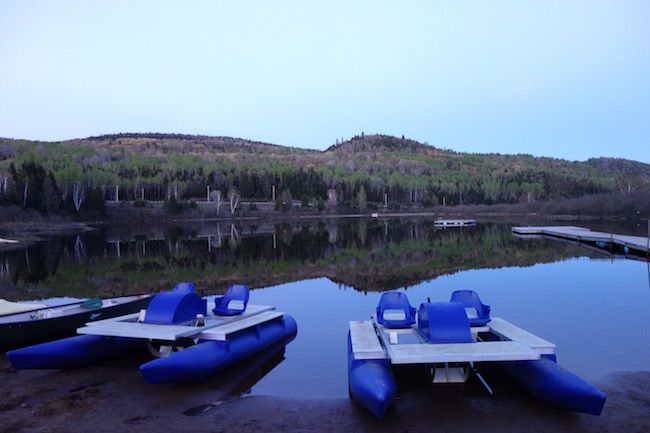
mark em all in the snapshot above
pixel 168 308
pixel 233 302
pixel 470 299
pixel 395 301
pixel 444 322
pixel 184 287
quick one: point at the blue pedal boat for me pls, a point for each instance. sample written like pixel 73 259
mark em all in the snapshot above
pixel 189 344
pixel 450 339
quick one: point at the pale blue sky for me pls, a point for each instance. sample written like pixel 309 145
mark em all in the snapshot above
pixel 566 79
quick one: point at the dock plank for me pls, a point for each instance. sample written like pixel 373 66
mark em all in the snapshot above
pixel 147 331
pixel 222 332
pixel 488 351
pixel 365 343
pixel 509 331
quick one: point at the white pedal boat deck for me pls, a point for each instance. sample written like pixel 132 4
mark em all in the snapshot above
pixel 215 327
pixel 370 340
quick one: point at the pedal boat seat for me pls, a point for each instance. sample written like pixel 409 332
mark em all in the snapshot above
pixel 444 322
pixel 393 303
pixel 233 302
pixel 176 306
pixel 471 300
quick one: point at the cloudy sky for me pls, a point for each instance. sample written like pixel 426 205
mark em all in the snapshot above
pixel 566 79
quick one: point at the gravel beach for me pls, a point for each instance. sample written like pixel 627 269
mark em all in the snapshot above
pixel 114 397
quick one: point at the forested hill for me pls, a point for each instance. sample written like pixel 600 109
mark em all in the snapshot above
pixel 367 171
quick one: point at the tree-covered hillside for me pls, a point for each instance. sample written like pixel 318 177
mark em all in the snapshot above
pixel 365 172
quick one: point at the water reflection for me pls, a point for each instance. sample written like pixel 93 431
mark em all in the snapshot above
pixel 368 255
pixel 324 274
pixel 592 310
pixel 238 381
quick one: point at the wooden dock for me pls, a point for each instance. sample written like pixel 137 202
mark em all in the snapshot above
pixel 637 246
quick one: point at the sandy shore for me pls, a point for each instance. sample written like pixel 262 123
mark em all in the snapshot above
pixel 113 397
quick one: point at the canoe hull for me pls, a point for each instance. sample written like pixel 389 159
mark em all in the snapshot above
pixel 552 384
pixel 73 352
pixel 209 357
pixel 371 383
pixel 21 332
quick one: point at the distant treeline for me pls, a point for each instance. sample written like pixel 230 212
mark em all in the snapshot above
pixel 365 172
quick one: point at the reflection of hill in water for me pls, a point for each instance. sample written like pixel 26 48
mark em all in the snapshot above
pixel 370 255
pixel 432 253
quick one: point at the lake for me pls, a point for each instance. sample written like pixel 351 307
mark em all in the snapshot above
pixel 324 274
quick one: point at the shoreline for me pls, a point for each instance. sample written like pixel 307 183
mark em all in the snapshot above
pixel 113 396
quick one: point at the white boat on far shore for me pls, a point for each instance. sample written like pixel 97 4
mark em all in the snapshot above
pixel 455 222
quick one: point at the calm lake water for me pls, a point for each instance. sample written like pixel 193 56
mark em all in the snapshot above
pixel 591 305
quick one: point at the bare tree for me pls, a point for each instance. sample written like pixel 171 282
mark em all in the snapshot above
pixel 332 198
pixel 234 198
pixel 79 249
pixel 78 195
pixel 234 236
pixel 629 183
pixel 5 270
pixel 217 198
pixel 4 182
pixel 362 199
pixel 219 236
pixel 25 192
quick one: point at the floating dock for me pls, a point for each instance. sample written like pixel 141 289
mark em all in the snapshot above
pixel 624 245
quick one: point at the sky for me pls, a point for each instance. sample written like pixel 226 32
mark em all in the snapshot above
pixel 564 79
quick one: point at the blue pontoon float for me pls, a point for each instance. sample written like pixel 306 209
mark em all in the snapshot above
pixel 189 344
pixel 450 339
